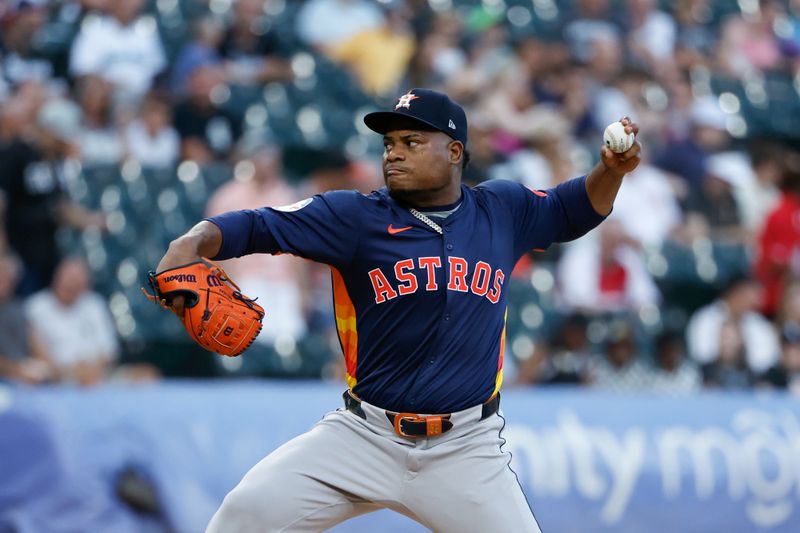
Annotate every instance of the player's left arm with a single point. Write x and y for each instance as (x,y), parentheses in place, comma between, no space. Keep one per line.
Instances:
(603,182)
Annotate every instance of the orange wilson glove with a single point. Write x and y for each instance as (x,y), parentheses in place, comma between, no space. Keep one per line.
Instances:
(216,315)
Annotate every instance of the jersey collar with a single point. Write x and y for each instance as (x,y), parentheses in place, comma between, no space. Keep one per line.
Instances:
(402,212)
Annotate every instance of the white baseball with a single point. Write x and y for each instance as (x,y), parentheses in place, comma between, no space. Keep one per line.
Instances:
(616,139)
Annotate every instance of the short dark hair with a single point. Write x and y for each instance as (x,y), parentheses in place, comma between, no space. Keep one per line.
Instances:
(465,159)
(735,281)
(667,339)
(790,180)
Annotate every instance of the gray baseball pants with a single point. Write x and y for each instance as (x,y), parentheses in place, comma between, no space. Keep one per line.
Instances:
(346,466)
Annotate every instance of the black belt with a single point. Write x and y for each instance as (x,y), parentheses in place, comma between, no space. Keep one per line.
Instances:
(414,425)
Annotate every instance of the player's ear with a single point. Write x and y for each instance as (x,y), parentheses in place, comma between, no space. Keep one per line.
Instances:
(456,152)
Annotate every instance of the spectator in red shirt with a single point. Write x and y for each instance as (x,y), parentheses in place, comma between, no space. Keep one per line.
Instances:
(778,259)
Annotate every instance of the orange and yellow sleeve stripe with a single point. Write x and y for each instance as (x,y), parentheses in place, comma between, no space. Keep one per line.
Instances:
(498,382)
(345,313)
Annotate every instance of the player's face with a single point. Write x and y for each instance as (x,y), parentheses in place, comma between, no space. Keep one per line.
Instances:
(418,166)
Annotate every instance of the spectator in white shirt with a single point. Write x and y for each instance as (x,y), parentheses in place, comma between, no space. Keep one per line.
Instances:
(75,325)
(23,357)
(21,32)
(121,47)
(605,272)
(99,140)
(647,206)
(326,23)
(652,33)
(151,139)
(755,190)
(739,304)
(592,21)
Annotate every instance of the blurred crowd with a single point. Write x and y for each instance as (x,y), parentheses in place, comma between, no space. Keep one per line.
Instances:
(693,281)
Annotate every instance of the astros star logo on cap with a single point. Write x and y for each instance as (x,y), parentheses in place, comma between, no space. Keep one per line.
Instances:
(405,100)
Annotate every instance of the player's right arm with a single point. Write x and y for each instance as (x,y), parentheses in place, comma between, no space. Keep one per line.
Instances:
(203,240)
(324,228)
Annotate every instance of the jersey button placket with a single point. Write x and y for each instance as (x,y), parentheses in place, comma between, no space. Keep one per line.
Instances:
(448,247)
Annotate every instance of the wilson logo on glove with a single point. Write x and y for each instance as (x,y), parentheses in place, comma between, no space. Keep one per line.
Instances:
(216,314)
(181,278)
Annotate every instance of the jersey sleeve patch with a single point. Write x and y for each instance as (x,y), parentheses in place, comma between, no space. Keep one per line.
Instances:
(297,206)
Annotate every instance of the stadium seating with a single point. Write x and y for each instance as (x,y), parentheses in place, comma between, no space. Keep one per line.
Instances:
(318,112)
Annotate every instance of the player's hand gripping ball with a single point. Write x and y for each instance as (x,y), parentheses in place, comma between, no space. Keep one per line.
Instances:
(616,139)
(621,163)
(216,315)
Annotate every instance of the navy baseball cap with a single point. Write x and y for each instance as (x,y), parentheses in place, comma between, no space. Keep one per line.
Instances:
(431,108)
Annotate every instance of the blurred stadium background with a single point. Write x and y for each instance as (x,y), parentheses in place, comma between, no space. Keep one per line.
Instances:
(653,367)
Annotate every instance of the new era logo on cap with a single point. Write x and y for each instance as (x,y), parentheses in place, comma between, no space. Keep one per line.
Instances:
(433,109)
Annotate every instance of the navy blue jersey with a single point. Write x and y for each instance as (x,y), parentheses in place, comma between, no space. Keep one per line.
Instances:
(421,316)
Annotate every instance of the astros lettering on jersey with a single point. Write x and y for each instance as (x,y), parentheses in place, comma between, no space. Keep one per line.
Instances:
(420,316)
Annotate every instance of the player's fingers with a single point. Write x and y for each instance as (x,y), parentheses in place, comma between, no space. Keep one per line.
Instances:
(610,159)
(632,127)
(633,152)
(177,306)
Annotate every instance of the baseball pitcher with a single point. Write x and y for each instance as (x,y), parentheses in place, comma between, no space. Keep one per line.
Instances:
(419,272)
